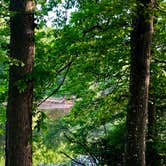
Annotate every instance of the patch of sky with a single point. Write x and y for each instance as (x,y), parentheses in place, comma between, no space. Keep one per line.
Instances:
(58,11)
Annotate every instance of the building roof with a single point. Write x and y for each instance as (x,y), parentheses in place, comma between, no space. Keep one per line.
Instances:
(56,103)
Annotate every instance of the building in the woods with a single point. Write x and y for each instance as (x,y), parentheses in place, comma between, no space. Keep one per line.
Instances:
(56,107)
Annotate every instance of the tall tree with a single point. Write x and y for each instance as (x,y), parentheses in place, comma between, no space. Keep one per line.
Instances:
(19,108)
(141,38)
(151,151)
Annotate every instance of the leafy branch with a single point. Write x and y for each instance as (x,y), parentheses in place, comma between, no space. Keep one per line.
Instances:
(84,146)
(73,159)
(60,85)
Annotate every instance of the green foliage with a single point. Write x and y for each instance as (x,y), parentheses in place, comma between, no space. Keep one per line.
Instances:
(97,142)
(86,55)
(160,140)
(97,43)
(4,43)
(47,149)
(2,131)
(2,161)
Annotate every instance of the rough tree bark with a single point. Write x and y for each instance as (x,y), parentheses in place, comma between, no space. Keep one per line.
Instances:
(19,107)
(141,37)
(150,149)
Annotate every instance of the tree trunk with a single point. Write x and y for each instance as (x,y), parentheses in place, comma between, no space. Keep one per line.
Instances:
(19,108)
(139,83)
(151,151)
(151,119)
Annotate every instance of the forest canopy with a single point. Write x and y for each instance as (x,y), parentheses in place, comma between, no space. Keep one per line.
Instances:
(94,53)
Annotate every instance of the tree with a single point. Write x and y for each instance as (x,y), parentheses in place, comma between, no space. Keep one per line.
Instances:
(19,107)
(141,38)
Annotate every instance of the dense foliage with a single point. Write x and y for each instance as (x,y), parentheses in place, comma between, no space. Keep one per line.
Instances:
(85,53)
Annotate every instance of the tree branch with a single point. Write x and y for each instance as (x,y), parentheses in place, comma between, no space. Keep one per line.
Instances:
(73,159)
(91,29)
(84,146)
(97,26)
(59,86)
(64,67)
